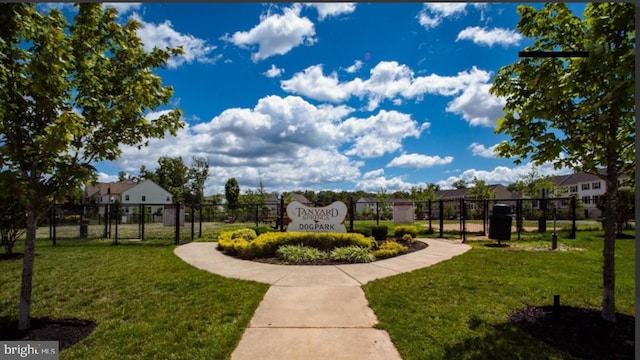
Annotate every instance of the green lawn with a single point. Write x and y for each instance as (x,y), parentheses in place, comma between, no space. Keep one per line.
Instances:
(150,304)
(147,302)
(458,309)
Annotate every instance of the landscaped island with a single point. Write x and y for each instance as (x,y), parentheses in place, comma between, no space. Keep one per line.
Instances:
(317,248)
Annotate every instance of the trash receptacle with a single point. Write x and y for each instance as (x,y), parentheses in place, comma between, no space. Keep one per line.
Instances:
(500,223)
(84,229)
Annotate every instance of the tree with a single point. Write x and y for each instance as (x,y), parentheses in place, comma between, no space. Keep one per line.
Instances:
(575,112)
(197,175)
(625,207)
(480,190)
(232,193)
(186,184)
(12,214)
(72,94)
(459,184)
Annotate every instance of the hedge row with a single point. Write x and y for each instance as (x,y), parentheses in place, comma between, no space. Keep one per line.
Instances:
(266,245)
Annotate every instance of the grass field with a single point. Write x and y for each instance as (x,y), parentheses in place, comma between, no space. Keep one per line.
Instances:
(150,304)
(458,309)
(147,302)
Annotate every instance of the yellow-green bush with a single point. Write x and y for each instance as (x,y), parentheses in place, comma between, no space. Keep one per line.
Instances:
(389,249)
(402,230)
(267,244)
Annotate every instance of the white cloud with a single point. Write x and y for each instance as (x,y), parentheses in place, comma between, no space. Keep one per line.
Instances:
(281,140)
(103,177)
(123,7)
(502,174)
(482,36)
(419,161)
(433,13)
(375,180)
(389,80)
(313,84)
(163,35)
(276,34)
(478,149)
(381,133)
(357,65)
(477,106)
(273,72)
(332,9)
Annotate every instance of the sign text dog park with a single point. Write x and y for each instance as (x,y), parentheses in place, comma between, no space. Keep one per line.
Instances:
(317,219)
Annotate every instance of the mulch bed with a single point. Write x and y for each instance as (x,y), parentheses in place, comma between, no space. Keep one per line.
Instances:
(579,331)
(66,331)
(13,256)
(411,247)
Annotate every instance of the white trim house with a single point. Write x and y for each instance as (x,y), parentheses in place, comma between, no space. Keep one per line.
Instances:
(129,195)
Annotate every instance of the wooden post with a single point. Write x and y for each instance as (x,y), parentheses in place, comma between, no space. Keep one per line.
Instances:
(573,217)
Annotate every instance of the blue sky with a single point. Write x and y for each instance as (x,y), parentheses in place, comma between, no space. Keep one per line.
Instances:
(345,96)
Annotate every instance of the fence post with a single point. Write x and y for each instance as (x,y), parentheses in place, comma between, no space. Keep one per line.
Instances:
(519,217)
(54,222)
(200,220)
(441,210)
(282,212)
(142,218)
(257,209)
(463,219)
(193,222)
(430,217)
(176,240)
(352,213)
(573,216)
(117,212)
(377,213)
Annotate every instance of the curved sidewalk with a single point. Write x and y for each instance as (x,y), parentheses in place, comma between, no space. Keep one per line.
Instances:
(315,312)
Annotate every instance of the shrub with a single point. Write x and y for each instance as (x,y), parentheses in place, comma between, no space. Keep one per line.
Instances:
(247,234)
(267,244)
(402,230)
(389,249)
(408,238)
(379,232)
(300,254)
(352,254)
(364,231)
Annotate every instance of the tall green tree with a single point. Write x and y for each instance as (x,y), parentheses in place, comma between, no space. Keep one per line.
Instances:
(71,95)
(232,193)
(481,190)
(459,184)
(575,112)
(197,176)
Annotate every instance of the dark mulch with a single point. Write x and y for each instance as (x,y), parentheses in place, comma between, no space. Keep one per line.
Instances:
(13,256)
(411,247)
(66,331)
(579,331)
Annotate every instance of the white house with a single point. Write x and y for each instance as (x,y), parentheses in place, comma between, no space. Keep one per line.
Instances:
(129,195)
(587,187)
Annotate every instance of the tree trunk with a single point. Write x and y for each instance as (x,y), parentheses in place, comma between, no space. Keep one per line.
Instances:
(608,253)
(24,321)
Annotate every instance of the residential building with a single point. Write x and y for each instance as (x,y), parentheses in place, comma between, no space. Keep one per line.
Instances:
(500,193)
(586,187)
(129,195)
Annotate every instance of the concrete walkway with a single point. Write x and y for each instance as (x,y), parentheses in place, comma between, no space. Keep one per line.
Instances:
(315,312)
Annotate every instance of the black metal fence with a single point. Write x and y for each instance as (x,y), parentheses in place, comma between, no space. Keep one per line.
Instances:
(148,221)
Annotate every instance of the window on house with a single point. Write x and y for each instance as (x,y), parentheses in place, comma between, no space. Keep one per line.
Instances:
(573,189)
(586,186)
(596,185)
(168,199)
(586,199)
(595,199)
(564,202)
(144,198)
(126,210)
(126,197)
